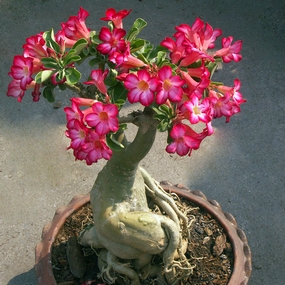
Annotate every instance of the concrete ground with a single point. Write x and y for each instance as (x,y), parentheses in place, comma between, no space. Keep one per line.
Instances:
(241,165)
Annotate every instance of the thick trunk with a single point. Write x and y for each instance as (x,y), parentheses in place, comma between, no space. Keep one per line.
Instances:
(120,189)
(124,226)
(120,180)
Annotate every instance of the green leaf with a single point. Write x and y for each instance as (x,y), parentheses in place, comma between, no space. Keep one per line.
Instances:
(44,75)
(123,126)
(48,94)
(60,75)
(85,51)
(50,62)
(142,58)
(164,108)
(119,93)
(212,67)
(156,110)
(113,143)
(71,57)
(111,80)
(95,39)
(79,45)
(138,25)
(62,86)
(93,50)
(137,44)
(72,75)
(95,61)
(163,126)
(161,55)
(159,117)
(50,40)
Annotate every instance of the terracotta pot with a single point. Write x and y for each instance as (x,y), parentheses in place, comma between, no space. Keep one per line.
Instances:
(242,254)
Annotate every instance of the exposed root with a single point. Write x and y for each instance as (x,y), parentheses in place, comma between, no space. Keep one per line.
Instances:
(112,268)
(163,200)
(174,270)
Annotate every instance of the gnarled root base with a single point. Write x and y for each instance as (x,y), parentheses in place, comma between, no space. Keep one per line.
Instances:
(166,238)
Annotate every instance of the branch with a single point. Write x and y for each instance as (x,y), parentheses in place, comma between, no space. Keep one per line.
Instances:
(82,91)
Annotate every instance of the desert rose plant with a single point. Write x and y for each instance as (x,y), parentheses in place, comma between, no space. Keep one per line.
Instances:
(173,86)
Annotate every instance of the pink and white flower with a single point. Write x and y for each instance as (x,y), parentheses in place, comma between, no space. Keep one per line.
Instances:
(15,90)
(103,118)
(197,111)
(169,86)
(73,113)
(184,140)
(221,105)
(96,148)
(22,69)
(141,87)
(77,134)
(112,41)
(35,47)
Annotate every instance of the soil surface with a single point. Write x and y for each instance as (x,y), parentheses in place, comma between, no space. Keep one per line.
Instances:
(209,250)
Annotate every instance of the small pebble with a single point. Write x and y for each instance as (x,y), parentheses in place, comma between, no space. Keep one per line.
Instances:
(57,104)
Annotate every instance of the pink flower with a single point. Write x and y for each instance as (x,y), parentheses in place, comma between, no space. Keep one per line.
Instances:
(191,33)
(73,113)
(22,70)
(198,112)
(221,106)
(169,86)
(237,96)
(75,28)
(208,37)
(193,54)
(201,34)
(196,87)
(35,47)
(96,148)
(103,118)
(230,52)
(141,87)
(92,149)
(98,78)
(176,48)
(15,90)
(185,139)
(112,41)
(77,134)
(126,60)
(116,17)
(199,72)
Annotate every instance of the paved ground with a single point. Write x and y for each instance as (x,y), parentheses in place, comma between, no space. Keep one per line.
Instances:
(241,165)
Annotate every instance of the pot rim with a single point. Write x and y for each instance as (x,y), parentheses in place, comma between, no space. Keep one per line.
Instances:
(242,254)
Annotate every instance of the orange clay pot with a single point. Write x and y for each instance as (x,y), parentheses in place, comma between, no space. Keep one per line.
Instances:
(242,254)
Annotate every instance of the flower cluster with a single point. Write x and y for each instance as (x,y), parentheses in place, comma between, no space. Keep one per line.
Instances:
(45,55)
(174,79)
(87,129)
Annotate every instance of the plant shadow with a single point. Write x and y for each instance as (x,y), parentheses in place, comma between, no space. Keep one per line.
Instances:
(26,278)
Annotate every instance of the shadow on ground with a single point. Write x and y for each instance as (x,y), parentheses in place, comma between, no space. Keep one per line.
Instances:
(26,278)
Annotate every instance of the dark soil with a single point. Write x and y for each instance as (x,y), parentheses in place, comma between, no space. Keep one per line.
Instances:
(209,250)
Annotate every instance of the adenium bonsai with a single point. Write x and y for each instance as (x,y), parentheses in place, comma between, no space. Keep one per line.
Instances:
(173,84)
